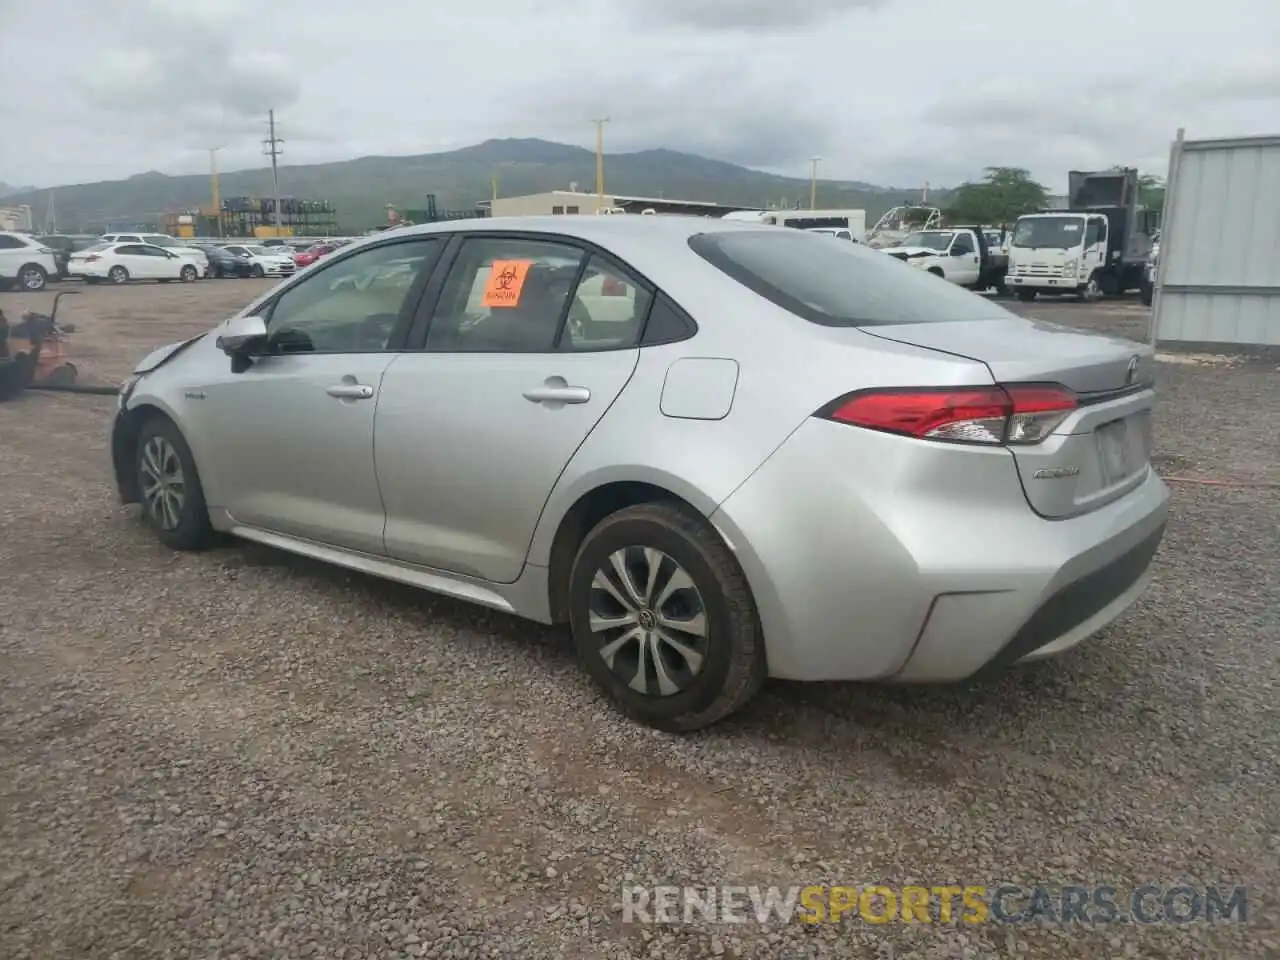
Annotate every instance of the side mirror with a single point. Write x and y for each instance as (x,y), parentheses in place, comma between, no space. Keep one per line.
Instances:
(241,335)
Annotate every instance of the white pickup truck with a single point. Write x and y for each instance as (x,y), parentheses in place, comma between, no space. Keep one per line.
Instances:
(962,255)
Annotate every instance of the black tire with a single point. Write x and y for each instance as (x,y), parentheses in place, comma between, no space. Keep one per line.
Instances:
(63,376)
(32,278)
(733,656)
(189,274)
(258,272)
(118,274)
(192,531)
(1026,296)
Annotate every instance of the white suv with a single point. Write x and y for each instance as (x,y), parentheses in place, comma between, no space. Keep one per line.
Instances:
(25,262)
(172,244)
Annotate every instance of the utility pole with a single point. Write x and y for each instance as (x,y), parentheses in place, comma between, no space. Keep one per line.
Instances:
(600,162)
(50,216)
(214,192)
(813,182)
(272,148)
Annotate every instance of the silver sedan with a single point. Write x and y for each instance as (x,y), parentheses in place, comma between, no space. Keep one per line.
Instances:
(718,451)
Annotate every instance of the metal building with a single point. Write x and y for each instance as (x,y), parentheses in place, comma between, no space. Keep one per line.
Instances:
(1218,278)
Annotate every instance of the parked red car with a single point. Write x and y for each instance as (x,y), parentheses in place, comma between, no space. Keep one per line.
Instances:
(312,254)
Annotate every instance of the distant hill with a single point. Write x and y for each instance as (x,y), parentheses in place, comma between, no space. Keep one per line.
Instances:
(360,189)
(7,191)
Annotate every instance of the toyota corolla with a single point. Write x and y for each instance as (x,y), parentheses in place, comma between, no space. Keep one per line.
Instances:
(717,451)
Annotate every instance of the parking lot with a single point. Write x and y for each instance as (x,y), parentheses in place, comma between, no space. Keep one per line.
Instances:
(242,753)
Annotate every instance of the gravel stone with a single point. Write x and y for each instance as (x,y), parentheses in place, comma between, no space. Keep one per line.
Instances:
(246,754)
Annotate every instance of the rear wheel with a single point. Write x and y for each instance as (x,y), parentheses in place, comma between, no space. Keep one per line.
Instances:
(189,274)
(172,498)
(663,618)
(118,275)
(32,278)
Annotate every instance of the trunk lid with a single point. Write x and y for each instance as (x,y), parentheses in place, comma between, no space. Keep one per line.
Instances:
(1100,452)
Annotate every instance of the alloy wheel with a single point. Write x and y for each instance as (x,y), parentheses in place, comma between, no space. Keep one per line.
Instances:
(32,279)
(648,620)
(164,487)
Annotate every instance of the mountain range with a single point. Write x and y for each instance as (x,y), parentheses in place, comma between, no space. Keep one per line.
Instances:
(360,189)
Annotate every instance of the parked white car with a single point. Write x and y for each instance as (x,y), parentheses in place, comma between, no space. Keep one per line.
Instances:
(172,244)
(266,262)
(25,262)
(122,262)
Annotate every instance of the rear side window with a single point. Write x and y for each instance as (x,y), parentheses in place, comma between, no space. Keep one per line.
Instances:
(837,284)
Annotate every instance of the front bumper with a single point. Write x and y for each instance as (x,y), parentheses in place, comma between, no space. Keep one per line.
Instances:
(873,556)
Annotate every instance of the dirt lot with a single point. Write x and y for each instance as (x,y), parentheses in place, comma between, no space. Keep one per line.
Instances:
(245,754)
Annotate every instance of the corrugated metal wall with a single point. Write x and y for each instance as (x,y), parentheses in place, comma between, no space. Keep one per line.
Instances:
(1219,273)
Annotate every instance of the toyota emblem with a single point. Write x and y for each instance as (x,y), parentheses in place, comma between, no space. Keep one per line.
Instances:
(1131,374)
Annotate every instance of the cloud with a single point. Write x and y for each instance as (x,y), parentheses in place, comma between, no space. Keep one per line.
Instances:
(191,65)
(747,15)
(890,93)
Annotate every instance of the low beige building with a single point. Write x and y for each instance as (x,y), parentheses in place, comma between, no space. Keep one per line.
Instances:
(567,203)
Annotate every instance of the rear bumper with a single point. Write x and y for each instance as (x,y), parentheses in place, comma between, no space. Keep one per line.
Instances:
(873,556)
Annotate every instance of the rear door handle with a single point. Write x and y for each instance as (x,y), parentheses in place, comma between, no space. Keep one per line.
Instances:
(555,390)
(350,391)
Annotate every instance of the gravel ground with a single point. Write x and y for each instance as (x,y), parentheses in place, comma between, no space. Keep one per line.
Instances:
(246,754)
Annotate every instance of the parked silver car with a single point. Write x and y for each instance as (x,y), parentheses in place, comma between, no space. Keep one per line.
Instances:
(719,451)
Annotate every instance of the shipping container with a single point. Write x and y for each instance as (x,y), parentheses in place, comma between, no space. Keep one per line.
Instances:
(1217,278)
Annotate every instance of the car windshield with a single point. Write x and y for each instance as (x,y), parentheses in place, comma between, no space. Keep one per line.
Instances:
(932,239)
(1059,232)
(160,241)
(260,251)
(837,284)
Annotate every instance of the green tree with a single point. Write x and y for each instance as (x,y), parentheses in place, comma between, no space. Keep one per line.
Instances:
(1151,191)
(1003,195)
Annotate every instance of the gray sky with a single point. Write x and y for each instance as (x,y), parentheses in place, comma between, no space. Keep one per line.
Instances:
(888,91)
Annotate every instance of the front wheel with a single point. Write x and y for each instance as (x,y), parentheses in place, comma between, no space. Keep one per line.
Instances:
(172,498)
(663,618)
(257,271)
(188,274)
(32,278)
(1091,292)
(118,275)
(1026,296)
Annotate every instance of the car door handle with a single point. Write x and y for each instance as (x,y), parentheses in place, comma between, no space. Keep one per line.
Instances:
(350,391)
(554,393)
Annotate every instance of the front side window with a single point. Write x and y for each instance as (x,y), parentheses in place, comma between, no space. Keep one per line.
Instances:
(504,295)
(837,284)
(354,305)
(131,250)
(963,245)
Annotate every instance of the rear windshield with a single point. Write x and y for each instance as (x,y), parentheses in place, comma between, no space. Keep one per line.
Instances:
(837,284)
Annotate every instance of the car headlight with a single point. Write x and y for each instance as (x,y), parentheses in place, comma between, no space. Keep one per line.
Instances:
(1070,266)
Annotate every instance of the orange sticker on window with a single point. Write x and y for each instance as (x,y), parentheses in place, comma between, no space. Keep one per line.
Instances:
(506,280)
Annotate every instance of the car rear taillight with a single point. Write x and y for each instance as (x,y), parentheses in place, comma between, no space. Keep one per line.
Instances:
(1013,413)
